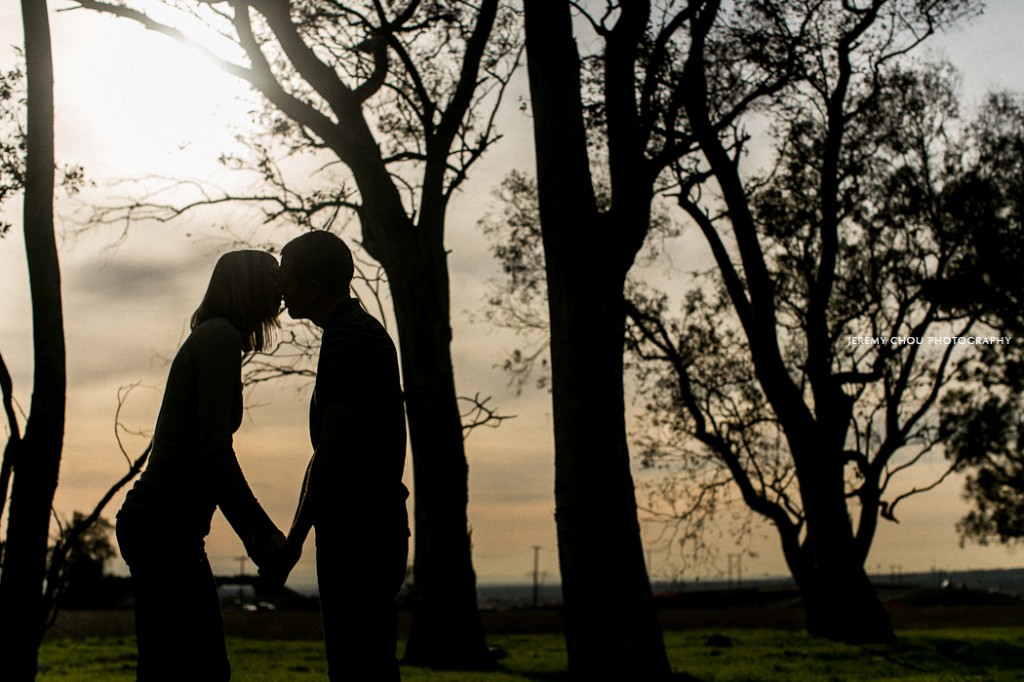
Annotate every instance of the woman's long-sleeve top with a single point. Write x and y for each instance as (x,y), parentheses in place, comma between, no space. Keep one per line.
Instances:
(193,468)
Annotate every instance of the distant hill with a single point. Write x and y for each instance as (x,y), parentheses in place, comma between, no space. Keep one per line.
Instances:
(1009,582)
(116,591)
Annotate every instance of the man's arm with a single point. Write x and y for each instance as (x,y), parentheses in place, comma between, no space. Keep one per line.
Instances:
(303,520)
(338,423)
(339,427)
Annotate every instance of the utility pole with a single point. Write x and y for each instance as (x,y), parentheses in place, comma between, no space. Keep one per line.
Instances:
(241,574)
(896,574)
(536,576)
(739,571)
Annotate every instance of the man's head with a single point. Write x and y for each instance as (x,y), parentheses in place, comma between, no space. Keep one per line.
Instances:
(316,271)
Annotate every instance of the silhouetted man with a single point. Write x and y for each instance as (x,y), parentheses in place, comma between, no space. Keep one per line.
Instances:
(352,493)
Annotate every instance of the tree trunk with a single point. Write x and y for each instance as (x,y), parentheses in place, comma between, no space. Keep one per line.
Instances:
(446,631)
(610,624)
(38,461)
(841,604)
(839,601)
(611,628)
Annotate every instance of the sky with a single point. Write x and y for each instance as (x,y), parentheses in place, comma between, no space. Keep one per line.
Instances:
(134,104)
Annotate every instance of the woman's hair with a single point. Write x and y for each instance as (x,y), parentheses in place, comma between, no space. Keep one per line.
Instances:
(243,289)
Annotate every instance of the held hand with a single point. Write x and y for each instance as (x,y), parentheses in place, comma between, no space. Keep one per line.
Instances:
(264,543)
(290,553)
(276,543)
(279,563)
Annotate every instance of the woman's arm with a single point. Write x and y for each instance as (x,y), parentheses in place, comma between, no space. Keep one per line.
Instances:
(219,388)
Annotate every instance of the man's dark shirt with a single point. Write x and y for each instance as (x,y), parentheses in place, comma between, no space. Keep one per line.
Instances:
(358,366)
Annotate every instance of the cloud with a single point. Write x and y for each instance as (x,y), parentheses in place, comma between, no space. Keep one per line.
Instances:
(146,277)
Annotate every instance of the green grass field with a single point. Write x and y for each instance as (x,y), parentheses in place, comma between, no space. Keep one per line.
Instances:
(982,655)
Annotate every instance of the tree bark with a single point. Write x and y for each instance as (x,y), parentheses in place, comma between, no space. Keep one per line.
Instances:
(610,624)
(446,631)
(839,601)
(611,628)
(828,566)
(841,604)
(37,465)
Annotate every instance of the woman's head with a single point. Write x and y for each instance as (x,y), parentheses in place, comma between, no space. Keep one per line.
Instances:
(244,289)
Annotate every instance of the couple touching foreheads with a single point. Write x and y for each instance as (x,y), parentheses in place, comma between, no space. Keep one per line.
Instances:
(352,493)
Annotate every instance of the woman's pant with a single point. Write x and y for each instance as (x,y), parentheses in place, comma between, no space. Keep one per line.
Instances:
(178,621)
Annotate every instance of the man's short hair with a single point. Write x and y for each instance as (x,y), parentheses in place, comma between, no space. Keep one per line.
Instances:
(320,256)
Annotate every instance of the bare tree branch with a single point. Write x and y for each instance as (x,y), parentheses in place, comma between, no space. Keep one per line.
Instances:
(478,413)
(13,440)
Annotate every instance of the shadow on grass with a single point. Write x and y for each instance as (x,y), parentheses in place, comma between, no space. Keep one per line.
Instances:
(982,651)
(993,655)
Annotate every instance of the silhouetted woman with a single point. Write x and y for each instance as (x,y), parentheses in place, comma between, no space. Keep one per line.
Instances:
(163,524)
